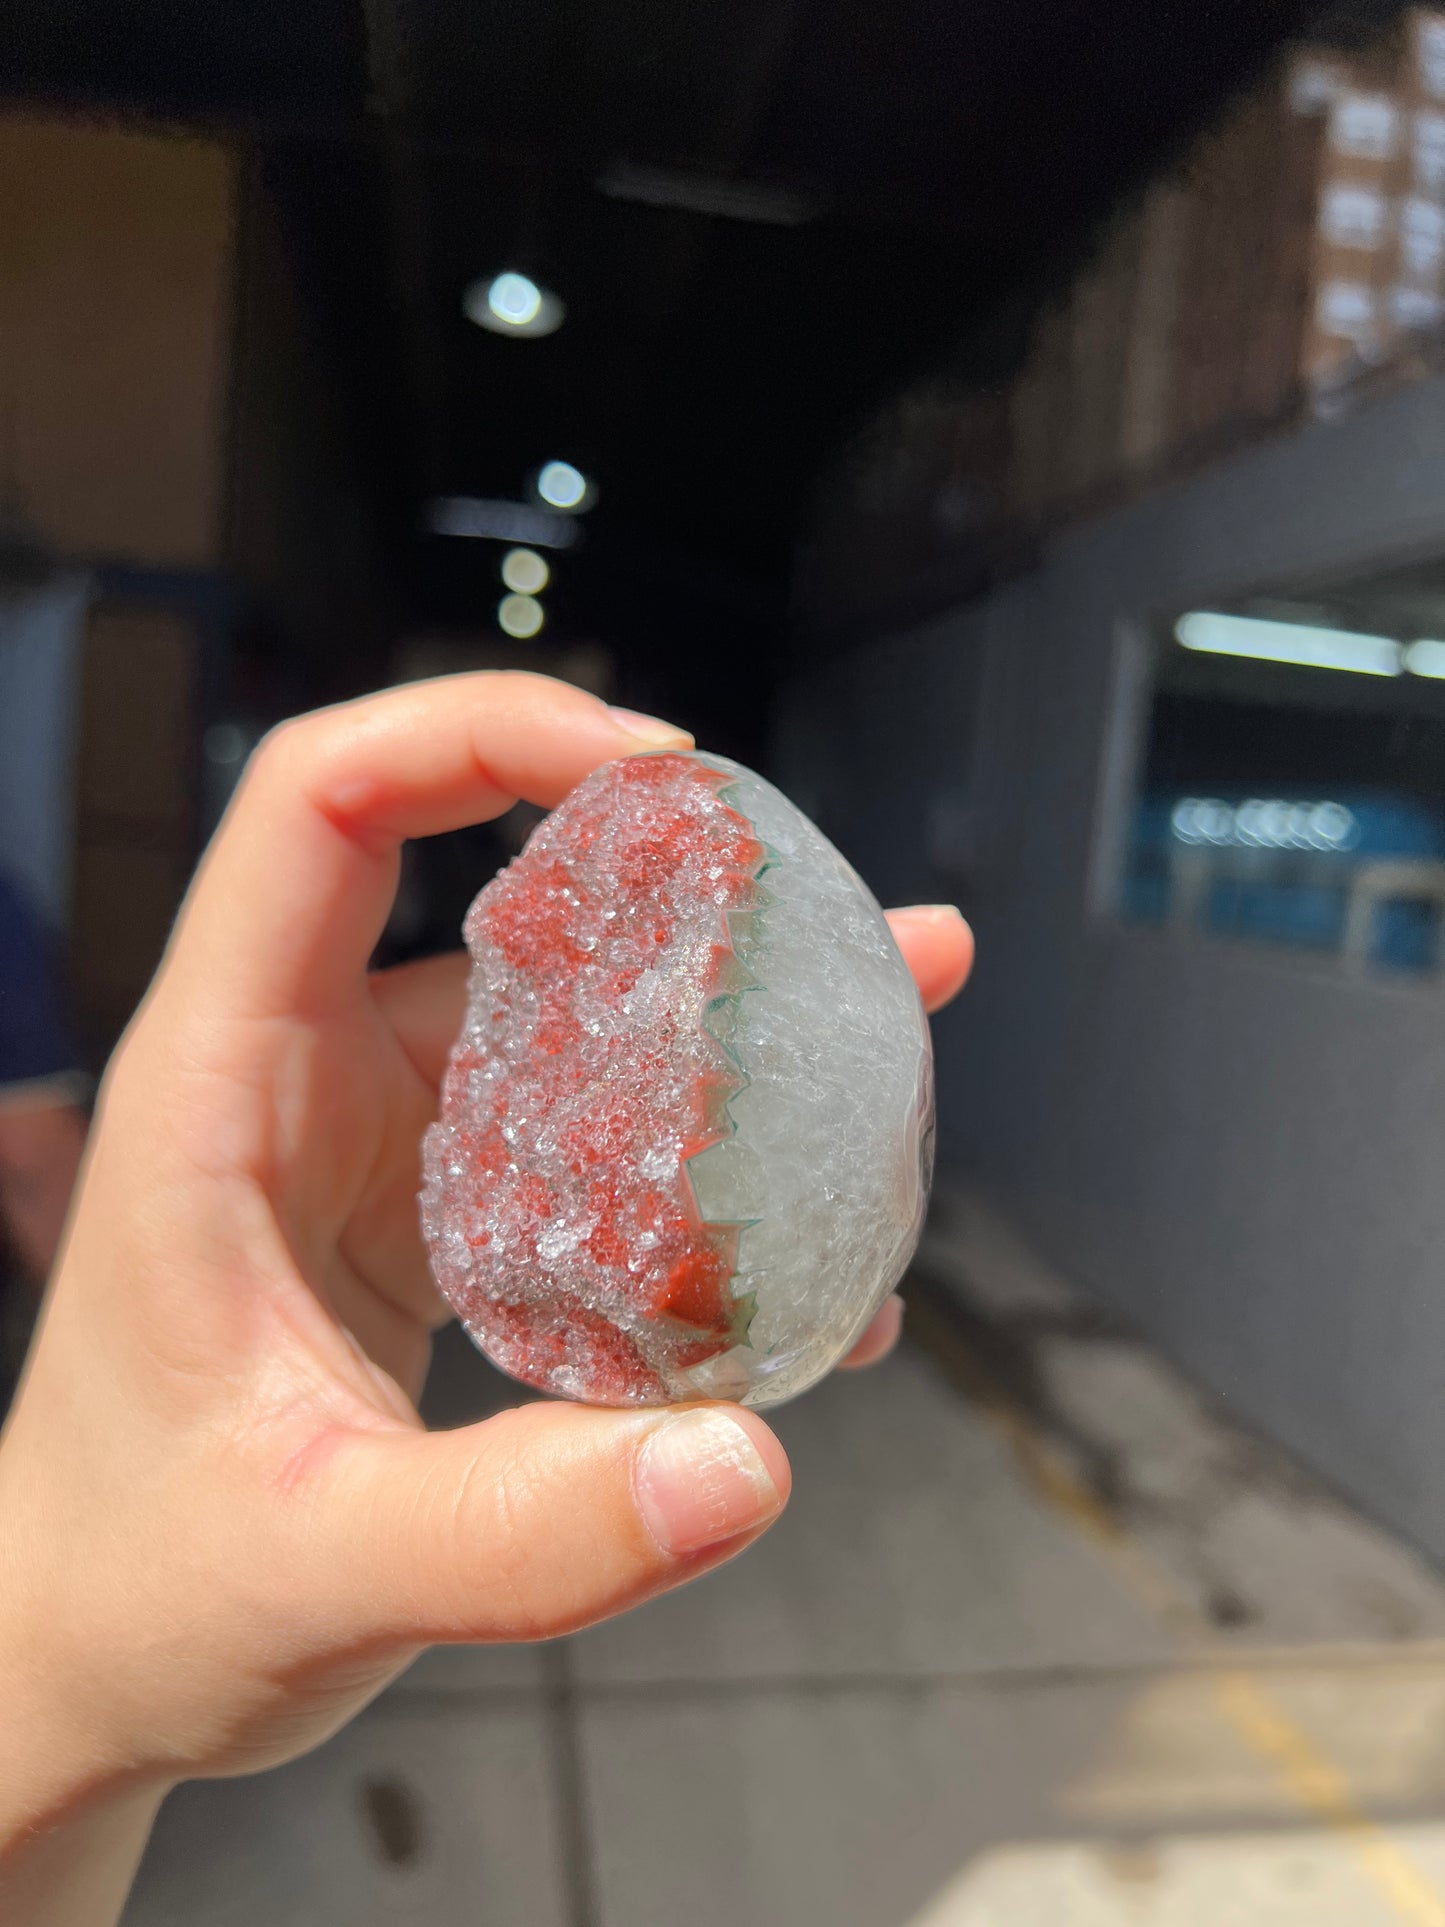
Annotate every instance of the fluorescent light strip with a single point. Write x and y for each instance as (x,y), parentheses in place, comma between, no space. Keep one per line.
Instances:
(480,520)
(1425,658)
(1292,642)
(707,194)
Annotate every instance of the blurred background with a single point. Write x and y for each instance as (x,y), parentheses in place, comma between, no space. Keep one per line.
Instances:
(1020,431)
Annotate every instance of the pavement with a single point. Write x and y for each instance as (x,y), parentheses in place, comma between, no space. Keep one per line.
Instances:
(1043,1641)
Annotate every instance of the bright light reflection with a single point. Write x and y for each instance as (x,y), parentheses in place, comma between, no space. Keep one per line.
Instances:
(515,299)
(525,571)
(520,615)
(1425,658)
(1264,823)
(511,303)
(1292,642)
(561,486)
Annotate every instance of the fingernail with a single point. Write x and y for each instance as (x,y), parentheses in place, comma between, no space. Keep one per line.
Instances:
(650,729)
(700,1481)
(942,911)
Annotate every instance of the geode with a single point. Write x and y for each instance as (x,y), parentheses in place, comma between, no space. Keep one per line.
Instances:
(686,1130)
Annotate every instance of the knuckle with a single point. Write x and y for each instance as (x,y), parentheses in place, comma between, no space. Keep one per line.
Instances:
(495,1513)
(280,752)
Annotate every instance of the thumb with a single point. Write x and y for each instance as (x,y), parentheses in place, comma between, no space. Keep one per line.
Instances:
(540,1520)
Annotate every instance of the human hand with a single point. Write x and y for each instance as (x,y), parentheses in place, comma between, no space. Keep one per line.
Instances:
(224,1528)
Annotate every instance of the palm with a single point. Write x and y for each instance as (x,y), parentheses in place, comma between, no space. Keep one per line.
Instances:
(345,1191)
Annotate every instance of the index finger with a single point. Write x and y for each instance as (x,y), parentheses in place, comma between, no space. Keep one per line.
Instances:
(297,885)
(424,1002)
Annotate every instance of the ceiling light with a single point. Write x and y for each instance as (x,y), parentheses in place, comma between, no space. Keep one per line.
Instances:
(514,299)
(479,519)
(708,194)
(561,486)
(1426,659)
(513,303)
(525,571)
(1292,642)
(520,615)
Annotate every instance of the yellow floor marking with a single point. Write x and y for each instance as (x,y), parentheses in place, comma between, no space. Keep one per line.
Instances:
(1323,1789)
(1317,1784)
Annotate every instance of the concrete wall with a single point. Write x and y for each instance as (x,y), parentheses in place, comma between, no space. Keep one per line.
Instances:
(1240,1149)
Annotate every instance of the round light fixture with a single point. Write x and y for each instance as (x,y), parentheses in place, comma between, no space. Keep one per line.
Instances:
(525,571)
(520,615)
(512,303)
(514,299)
(561,486)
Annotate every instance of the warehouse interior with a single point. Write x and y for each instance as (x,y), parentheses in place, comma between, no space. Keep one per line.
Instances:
(1021,434)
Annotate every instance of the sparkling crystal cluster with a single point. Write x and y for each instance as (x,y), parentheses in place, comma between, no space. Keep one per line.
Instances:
(685,1131)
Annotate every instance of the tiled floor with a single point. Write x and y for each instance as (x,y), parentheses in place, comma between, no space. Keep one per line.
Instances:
(1040,1643)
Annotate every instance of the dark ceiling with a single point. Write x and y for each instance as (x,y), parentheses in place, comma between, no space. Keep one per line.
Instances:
(945,157)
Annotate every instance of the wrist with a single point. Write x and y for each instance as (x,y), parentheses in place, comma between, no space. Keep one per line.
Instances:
(74,1816)
(61,1769)
(57,1758)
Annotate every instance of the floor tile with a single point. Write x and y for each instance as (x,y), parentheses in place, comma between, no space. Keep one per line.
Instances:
(406,1817)
(841,1808)
(1096,1802)
(1261,1550)
(1306,1878)
(913,1544)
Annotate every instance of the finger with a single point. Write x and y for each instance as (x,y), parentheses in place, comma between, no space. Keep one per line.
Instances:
(295,890)
(938,947)
(540,1520)
(879,1339)
(425,1002)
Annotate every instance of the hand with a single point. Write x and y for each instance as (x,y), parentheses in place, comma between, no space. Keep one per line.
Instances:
(224,1526)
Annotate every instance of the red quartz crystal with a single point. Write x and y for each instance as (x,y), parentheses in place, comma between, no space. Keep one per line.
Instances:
(559,1211)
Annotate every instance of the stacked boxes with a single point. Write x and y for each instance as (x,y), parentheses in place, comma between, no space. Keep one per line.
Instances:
(1146,349)
(1099,320)
(1379,278)
(1299,247)
(1415,293)
(1355,227)
(1038,417)
(1300,243)
(1248,195)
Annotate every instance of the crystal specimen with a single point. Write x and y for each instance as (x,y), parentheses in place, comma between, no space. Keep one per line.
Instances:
(686,1129)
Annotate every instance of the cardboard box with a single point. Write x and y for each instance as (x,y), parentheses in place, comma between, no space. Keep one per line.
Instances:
(1249,257)
(1413,297)
(116,262)
(1099,318)
(1281,266)
(1367,150)
(1425,139)
(1145,411)
(1422,75)
(1037,410)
